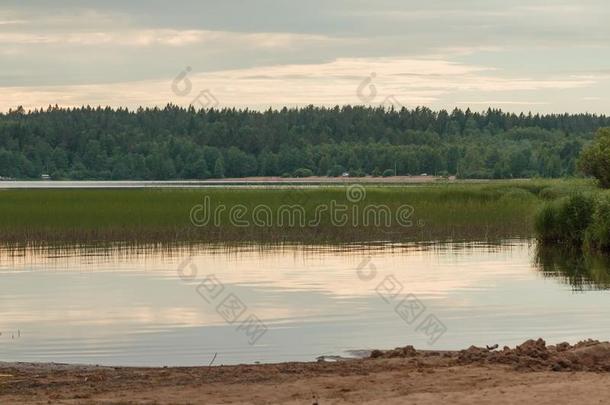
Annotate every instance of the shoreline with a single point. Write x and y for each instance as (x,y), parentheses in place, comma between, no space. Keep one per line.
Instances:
(271,181)
(556,373)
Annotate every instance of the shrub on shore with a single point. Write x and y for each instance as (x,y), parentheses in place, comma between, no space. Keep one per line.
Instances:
(577,221)
(595,159)
(598,232)
(546,224)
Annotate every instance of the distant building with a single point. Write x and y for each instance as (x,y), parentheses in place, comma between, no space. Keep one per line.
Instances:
(345,174)
(45,177)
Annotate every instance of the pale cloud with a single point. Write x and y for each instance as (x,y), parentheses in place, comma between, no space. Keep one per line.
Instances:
(554,8)
(275,52)
(411,81)
(166,37)
(504,11)
(12,22)
(501,103)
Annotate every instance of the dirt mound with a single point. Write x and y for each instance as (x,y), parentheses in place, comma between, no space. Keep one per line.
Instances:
(407,351)
(535,355)
(532,355)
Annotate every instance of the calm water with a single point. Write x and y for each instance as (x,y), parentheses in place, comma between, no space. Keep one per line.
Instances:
(212,183)
(128,306)
(80,184)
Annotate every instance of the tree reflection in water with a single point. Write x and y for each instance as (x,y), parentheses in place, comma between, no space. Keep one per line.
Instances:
(582,270)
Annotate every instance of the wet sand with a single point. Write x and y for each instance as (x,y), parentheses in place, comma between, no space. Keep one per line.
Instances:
(529,373)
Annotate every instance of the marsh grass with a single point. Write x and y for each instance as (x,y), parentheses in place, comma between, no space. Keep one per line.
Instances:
(580,221)
(450,211)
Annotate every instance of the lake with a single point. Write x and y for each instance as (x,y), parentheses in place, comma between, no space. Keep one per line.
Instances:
(191,304)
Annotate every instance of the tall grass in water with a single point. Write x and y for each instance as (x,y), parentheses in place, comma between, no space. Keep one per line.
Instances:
(441,211)
(598,233)
(579,221)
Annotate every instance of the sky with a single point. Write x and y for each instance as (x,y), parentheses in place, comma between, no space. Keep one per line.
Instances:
(536,55)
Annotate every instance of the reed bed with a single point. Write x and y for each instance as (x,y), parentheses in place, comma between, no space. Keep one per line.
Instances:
(446,211)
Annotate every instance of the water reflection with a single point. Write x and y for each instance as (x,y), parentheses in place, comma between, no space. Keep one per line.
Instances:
(583,271)
(116,252)
(123,304)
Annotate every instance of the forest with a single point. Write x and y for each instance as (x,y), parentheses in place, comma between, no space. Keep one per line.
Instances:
(183,143)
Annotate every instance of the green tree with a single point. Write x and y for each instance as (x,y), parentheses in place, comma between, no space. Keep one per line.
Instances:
(168,143)
(199,169)
(303,172)
(219,168)
(336,171)
(120,170)
(453,157)
(267,164)
(324,165)
(595,159)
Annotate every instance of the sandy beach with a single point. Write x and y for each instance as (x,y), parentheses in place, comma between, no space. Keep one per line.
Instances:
(530,373)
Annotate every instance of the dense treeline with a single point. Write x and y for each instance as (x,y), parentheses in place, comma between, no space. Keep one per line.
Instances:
(182,143)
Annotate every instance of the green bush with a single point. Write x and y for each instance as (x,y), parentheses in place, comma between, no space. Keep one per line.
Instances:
(595,159)
(566,189)
(575,216)
(552,193)
(336,171)
(598,233)
(303,172)
(565,220)
(388,173)
(546,224)
(357,173)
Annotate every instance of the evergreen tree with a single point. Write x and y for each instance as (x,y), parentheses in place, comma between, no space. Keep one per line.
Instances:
(219,168)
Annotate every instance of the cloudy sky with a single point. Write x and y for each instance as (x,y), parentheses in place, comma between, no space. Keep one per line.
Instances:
(534,55)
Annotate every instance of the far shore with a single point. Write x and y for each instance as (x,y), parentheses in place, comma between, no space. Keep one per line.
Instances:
(229,182)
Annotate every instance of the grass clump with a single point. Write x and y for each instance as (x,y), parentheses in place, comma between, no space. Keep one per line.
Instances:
(565,220)
(598,233)
(581,220)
